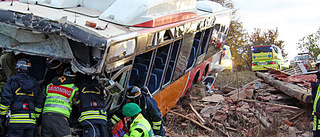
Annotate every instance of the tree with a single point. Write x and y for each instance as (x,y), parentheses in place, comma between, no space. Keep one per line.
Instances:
(310,44)
(237,40)
(240,41)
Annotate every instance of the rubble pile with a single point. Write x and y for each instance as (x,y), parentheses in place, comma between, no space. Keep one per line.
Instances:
(256,109)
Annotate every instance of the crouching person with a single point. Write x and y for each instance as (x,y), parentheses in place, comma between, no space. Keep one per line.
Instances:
(93,117)
(140,127)
(23,97)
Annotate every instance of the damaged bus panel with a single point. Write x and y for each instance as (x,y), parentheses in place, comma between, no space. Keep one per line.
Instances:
(166,45)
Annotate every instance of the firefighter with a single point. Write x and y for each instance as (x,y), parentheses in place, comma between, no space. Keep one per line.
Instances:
(55,68)
(315,117)
(22,96)
(93,117)
(58,105)
(139,127)
(149,107)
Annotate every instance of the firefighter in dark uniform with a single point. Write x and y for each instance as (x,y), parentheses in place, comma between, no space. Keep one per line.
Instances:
(93,117)
(58,105)
(23,97)
(315,117)
(149,107)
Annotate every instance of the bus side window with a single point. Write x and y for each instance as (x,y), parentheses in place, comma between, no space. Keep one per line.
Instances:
(159,66)
(196,43)
(141,66)
(174,57)
(194,50)
(205,41)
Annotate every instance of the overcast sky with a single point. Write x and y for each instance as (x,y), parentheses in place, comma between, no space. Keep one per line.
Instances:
(294,18)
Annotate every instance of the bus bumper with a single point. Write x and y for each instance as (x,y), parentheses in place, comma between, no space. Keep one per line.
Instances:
(261,67)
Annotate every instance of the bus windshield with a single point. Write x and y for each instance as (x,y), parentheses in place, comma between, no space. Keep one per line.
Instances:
(262,49)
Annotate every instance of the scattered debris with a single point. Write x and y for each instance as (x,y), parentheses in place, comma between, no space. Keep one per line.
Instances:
(257,108)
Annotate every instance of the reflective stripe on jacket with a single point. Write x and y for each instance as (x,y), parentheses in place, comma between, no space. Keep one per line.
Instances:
(91,98)
(59,99)
(140,123)
(94,115)
(151,112)
(316,112)
(23,96)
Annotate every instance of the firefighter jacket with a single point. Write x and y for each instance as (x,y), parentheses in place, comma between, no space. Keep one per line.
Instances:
(140,127)
(59,96)
(23,96)
(316,104)
(91,99)
(150,111)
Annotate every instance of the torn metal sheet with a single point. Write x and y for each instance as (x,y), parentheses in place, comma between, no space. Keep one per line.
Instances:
(45,26)
(54,46)
(78,34)
(40,36)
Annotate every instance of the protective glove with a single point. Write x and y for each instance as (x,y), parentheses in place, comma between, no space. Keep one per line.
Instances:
(115,135)
(121,133)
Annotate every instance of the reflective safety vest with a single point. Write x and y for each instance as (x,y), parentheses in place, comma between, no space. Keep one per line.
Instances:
(59,99)
(140,123)
(316,112)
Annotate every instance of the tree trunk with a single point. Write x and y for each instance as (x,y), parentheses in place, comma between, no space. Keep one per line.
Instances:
(287,88)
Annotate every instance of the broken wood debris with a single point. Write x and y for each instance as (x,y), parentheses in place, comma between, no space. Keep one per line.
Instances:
(197,115)
(254,104)
(194,121)
(288,88)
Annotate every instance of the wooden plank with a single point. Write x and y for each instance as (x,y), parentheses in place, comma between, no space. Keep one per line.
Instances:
(286,106)
(197,114)
(192,120)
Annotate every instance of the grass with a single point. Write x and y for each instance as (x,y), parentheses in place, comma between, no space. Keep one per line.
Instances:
(235,79)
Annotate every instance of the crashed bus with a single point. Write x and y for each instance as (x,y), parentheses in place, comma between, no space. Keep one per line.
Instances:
(166,45)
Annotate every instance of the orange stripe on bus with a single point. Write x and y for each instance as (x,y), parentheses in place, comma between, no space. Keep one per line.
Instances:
(169,96)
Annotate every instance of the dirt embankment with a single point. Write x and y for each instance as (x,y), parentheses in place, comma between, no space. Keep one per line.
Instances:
(266,112)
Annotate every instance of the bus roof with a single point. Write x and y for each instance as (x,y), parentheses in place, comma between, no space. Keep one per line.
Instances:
(30,24)
(100,21)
